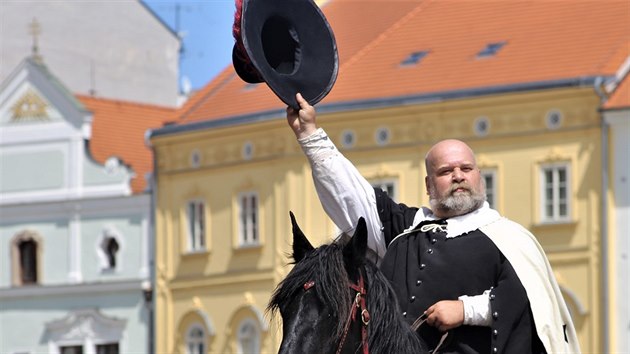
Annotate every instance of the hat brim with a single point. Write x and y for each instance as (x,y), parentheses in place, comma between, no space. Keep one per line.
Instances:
(298,27)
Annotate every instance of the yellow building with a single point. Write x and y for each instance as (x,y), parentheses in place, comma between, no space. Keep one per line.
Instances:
(229,171)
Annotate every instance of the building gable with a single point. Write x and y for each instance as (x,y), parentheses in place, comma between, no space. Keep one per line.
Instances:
(43,142)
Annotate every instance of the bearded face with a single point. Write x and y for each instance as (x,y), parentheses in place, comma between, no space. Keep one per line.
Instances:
(453,180)
(458,199)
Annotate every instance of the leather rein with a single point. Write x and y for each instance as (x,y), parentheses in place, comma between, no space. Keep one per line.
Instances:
(358,303)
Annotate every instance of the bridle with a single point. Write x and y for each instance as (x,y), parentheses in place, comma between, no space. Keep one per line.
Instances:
(358,303)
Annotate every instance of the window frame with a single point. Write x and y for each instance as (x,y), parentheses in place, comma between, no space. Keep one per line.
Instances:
(203,340)
(493,173)
(196,239)
(97,344)
(72,345)
(110,232)
(16,262)
(380,182)
(257,335)
(556,200)
(248,219)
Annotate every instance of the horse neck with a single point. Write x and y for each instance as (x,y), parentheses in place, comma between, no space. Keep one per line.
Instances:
(387,331)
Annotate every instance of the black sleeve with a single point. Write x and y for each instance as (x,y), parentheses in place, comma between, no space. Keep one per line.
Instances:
(513,328)
(394,217)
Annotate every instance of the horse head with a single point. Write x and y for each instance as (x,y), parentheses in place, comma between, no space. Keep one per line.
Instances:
(335,300)
(354,250)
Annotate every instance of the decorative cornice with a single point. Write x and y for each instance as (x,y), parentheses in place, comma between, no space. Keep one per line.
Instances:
(74,289)
(223,279)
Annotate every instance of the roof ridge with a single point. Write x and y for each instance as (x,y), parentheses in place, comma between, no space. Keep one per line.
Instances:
(381,37)
(207,95)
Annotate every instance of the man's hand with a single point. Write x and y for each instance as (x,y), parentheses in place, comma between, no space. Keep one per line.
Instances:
(303,121)
(446,314)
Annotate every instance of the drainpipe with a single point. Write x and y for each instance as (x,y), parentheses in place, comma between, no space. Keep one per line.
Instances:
(604,215)
(150,300)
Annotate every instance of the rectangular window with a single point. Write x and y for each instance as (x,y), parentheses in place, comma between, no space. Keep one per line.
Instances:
(74,349)
(490,180)
(388,186)
(555,192)
(196,226)
(248,219)
(108,348)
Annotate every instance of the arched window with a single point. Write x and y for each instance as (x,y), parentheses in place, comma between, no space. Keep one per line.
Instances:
(28,261)
(110,247)
(248,337)
(26,253)
(196,340)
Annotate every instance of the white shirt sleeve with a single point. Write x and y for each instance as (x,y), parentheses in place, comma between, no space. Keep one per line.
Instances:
(477,309)
(343,192)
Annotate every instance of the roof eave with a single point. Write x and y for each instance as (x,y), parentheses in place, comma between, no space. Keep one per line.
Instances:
(407,100)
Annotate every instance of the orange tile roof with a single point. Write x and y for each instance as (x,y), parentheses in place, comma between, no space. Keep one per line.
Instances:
(118,129)
(545,41)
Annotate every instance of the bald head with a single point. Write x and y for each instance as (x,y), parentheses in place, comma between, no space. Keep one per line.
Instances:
(447,151)
(453,180)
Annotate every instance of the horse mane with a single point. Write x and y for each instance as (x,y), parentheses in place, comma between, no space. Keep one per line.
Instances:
(387,331)
(396,335)
(324,266)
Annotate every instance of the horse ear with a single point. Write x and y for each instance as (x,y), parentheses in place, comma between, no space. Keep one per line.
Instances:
(355,250)
(301,246)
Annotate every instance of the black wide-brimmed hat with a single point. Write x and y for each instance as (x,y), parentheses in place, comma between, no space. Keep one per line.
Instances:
(289,45)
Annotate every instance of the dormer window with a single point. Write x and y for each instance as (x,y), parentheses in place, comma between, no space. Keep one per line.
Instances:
(414,58)
(490,50)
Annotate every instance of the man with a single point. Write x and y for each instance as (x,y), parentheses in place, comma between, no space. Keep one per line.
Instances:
(475,275)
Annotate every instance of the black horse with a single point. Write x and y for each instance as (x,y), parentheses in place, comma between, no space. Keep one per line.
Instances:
(335,300)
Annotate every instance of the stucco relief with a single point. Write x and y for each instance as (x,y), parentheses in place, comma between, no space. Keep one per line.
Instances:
(86,323)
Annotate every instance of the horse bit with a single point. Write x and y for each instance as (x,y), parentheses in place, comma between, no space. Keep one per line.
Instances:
(358,303)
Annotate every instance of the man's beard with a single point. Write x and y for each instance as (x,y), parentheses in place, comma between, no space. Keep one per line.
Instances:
(458,203)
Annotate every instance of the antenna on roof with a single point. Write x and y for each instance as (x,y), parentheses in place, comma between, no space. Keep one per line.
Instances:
(35,30)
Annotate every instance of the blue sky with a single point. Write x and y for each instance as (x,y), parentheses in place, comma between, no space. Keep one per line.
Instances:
(206,26)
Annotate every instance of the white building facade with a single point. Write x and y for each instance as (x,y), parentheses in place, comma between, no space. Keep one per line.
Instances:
(74,239)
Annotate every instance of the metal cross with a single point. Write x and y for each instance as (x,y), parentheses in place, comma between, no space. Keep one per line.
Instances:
(35,30)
